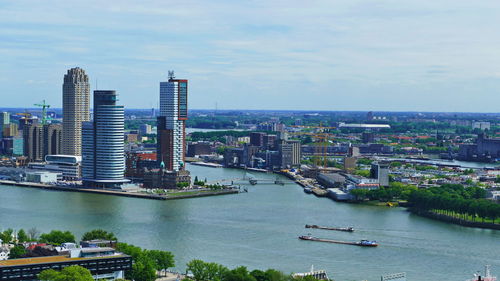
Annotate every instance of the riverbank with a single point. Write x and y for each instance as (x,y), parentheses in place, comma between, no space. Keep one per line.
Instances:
(122,193)
(453,220)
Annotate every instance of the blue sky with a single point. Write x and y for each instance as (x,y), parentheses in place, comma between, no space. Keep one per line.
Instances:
(415,55)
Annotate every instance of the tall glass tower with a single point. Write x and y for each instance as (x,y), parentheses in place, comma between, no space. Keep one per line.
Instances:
(172,123)
(76,109)
(103,159)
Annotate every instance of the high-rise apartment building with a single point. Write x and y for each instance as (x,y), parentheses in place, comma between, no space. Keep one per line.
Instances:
(41,140)
(4,120)
(76,109)
(103,153)
(172,123)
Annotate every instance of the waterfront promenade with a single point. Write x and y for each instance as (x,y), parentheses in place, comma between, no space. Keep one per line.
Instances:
(178,195)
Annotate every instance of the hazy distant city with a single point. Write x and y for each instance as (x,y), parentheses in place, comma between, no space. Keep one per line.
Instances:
(256,141)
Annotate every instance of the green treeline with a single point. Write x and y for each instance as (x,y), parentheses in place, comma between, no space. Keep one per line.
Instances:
(199,270)
(455,200)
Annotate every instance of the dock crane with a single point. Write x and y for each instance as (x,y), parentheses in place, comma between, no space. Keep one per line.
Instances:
(44,107)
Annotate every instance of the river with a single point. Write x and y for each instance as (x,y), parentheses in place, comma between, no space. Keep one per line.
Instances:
(259,229)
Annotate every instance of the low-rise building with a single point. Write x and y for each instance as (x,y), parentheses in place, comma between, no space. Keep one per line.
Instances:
(109,267)
(67,165)
(164,179)
(43,177)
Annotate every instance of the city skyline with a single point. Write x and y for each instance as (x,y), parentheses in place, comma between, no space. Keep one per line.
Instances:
(416,56)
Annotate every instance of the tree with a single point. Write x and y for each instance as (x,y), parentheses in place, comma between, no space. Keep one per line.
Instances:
(98,234)
(143,269)
(203,271)
(6,236)
(17,252)
(239,274)
(22,236)
(57,237)
(33,233)
(70,273)
(162,259)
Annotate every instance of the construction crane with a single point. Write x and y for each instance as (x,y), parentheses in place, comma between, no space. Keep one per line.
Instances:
(322,140)
(26,116)
(44,107)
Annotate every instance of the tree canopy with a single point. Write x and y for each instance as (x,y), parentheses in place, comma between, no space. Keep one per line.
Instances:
(99,234)
(57,237)
(70,273)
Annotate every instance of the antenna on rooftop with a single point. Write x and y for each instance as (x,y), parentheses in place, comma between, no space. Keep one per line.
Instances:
(171,75)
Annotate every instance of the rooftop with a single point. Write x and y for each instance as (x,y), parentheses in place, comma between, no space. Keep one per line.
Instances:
(51,259)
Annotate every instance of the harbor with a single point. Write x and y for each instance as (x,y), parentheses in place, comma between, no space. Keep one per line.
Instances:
(259,229)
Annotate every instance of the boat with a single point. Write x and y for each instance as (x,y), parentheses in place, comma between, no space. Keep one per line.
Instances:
(307,190)
(486,277)
(362,243)
(347,229)
(368,243)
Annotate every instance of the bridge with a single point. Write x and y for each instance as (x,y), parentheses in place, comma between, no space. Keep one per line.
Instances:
(250,179)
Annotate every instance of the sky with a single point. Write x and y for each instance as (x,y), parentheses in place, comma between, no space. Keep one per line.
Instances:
(370,55)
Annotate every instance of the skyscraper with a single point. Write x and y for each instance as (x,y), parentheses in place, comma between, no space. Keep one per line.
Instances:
(4,120)
(103,155)
(172,123)
(76,109)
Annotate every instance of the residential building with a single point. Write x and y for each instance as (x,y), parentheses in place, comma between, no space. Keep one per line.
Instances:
(481,125)
(145,129)
(52,140)
(76,109)
(380,171)
(41,140)
(199,148)
(4,121)
(13,146)
(290,152)
(257,139)
(368,137)
(103,153)
(172,123)
(33,142)
(10,130)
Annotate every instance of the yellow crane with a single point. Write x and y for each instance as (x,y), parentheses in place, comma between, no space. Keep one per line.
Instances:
(26,116)
(321,139)
(44,107)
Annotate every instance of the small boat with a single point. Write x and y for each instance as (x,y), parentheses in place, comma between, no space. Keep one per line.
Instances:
(308,190)
(368,243)
(306,237)
(346,229)
(486,277)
